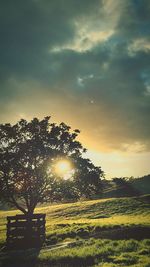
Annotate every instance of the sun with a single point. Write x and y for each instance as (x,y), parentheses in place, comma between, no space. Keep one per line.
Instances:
(63,168)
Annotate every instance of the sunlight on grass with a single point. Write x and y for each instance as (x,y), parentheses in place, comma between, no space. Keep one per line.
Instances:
(104,212)
(91,230)
(94,252)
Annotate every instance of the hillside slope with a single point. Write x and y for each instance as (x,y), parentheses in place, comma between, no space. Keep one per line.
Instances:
(97,233)
(126,187)
(142,184)
(64,218)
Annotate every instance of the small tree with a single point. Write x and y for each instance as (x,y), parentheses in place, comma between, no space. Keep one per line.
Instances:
(28,151)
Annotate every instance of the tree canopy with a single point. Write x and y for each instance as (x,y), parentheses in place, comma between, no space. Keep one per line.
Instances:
(28,152)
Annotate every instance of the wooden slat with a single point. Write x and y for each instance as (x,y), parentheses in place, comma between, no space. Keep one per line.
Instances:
(24,231)
(25,217)
(25,223)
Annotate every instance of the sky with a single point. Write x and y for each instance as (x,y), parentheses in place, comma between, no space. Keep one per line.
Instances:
(86,63)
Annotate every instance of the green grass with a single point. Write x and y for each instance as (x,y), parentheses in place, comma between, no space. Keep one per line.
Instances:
(95,227)
(90,252)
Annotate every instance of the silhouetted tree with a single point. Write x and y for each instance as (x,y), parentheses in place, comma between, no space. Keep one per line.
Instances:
(67,191)
(28,151)
(87,178)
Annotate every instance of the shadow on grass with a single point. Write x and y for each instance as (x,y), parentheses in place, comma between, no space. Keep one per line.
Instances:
(30,257)
(116,232)
(17,258)
(126,232)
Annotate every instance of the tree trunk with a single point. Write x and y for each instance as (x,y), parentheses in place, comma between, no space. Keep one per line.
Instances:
(30,210)
(15,203)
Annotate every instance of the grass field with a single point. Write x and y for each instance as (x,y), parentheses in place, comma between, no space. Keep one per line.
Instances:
(107,233)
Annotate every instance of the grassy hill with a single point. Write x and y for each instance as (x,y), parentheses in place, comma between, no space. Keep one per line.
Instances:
(106,232)
(142,184)
(126,187)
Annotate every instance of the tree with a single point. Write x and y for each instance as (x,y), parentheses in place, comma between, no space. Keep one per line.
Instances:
(28,151)
(87,178)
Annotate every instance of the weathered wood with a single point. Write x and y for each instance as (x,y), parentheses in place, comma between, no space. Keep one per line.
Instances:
(25,223)
(40,216)
(25,231)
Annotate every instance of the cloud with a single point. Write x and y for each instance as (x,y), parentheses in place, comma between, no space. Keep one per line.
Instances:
(142,44)
(84,62)
(84,41)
